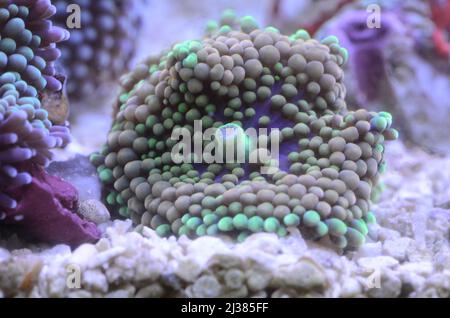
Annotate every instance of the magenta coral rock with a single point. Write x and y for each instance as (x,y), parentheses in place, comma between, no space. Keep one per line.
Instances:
(40,205)
(46,211)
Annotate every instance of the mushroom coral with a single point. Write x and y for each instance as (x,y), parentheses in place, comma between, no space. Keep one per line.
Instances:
(37,203)
(28,39)
(102,49)
(393,67)
(241,76)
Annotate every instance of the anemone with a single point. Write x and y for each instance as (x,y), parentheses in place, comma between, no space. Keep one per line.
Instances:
(103,48)
(243,76)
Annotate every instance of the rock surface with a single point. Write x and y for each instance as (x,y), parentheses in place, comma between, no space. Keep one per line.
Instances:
(46,212)
(79,172)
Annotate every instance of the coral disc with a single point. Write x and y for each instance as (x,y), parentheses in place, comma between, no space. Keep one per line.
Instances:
(241,77)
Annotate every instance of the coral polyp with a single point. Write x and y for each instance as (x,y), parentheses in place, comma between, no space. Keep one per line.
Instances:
(27,55)
(40,205)
(26,134)
(28,39)
(102,49)
(243,76)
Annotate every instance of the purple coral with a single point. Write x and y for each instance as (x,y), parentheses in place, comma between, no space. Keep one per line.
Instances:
(394,65)
(26,134)
(46,211)
(367,47)
(241,76)
(40,205)
(28,39)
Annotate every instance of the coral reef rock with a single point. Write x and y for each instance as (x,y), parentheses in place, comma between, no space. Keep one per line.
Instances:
(47,212)
(94,211)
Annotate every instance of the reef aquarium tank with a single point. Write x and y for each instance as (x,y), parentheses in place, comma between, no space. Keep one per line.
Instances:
(224,149)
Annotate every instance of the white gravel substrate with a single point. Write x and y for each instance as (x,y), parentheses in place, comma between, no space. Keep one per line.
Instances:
(408,256)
